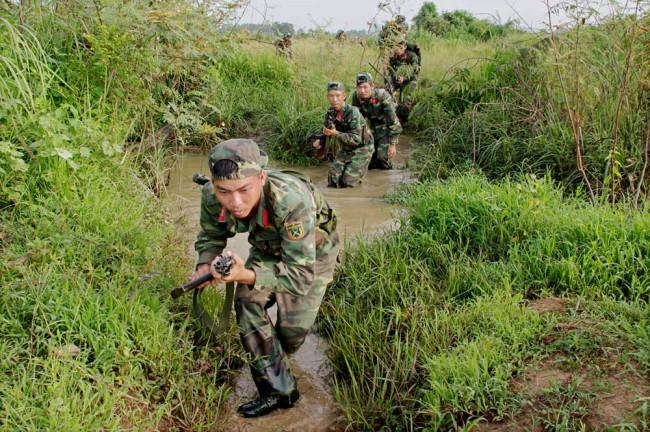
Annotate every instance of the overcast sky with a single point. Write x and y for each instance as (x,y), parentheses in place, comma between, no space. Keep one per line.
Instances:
(355,14)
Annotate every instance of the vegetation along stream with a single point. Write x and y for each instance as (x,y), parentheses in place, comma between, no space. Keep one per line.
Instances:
(501,283)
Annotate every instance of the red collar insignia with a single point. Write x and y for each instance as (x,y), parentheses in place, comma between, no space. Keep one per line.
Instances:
(265,218)
(222,215)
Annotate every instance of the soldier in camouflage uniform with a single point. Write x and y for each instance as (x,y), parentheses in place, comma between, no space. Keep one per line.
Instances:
(294,246)
(283,46)
(404,68)
(350,130)
(378,109)
(392,32)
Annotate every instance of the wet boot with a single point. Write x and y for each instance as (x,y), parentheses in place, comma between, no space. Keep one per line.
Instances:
(265,405)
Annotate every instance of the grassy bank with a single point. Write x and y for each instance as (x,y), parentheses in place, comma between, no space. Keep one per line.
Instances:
(439,324)
(444,324)
(90,337)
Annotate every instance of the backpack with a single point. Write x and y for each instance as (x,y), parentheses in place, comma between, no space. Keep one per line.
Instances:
(412,46)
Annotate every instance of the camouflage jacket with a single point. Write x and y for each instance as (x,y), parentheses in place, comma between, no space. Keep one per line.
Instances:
(292,222)
(406,65)
(352,127)
(379,112)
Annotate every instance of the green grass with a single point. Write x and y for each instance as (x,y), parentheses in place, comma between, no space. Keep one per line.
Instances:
(428,324)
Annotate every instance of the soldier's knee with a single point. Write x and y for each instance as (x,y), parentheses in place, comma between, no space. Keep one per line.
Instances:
(247,307)
(292,338)
(351,180)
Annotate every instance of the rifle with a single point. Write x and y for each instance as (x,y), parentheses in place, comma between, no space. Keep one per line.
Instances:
(222,266)
(320,136)
(388,82)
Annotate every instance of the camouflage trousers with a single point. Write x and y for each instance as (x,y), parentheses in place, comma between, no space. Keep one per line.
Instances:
(380,158)
(405,101)
(350,166)
(268,345)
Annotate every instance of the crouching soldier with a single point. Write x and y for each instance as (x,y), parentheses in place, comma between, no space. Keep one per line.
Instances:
(294,245)
(345,123)
(378,108)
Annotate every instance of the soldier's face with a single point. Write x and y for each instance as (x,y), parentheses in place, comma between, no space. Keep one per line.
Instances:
(400,49)
(240,197)
(364,90)
(336,99)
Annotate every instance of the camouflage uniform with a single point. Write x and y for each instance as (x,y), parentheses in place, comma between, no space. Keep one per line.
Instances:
(294,246)
(379,112)
(356,142)
(283,46)
(408,66)
(392,32)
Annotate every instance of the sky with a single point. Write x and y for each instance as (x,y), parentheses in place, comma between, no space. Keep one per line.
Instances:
(336,15)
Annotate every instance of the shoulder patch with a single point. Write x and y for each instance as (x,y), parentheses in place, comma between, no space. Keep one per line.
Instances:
(295,230)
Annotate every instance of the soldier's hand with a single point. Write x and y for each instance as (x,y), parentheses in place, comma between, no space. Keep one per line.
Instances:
(317,144)
(392,151)
(330,132)
(238,273)
(201,270)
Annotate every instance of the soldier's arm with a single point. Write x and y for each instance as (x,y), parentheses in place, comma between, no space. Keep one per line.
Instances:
(390,117)
(354,137)
(329,115)
(295,272)
(414,62)
(354,100)
(213,236)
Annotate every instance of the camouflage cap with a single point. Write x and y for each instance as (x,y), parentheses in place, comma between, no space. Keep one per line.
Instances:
(335,85)
(364,77)
(243,152)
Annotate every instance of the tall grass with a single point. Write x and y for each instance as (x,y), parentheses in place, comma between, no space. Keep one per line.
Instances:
(427,323)
(90,338)
(280,101)
(572,104)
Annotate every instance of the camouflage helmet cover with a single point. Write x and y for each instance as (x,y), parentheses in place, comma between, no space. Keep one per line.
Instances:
(245,153)
(335,85)
(364,77)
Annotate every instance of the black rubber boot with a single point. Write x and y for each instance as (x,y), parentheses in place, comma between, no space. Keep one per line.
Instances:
(265,405)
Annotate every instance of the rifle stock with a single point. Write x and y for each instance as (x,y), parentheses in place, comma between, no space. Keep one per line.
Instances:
(322,150)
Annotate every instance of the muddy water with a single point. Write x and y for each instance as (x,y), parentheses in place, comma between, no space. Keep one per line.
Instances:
(360,210)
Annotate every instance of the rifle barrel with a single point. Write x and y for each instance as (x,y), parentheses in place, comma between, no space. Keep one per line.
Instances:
(177,292)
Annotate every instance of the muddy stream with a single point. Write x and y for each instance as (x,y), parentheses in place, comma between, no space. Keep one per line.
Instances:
(360,210)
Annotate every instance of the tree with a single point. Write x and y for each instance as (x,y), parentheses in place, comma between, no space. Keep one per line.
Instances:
(284,28)
(426,17)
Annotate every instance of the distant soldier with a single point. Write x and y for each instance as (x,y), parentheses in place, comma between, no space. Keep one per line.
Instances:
(378,108)
(350,130)
(392,32)
(403,71)
(340,36)
(283,46)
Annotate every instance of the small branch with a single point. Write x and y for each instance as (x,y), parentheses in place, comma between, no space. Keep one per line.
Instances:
(645,167)
(621,99)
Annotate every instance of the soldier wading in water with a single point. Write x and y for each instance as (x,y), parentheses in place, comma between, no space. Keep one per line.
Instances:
(378,108)
(294,246)
(346,124)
